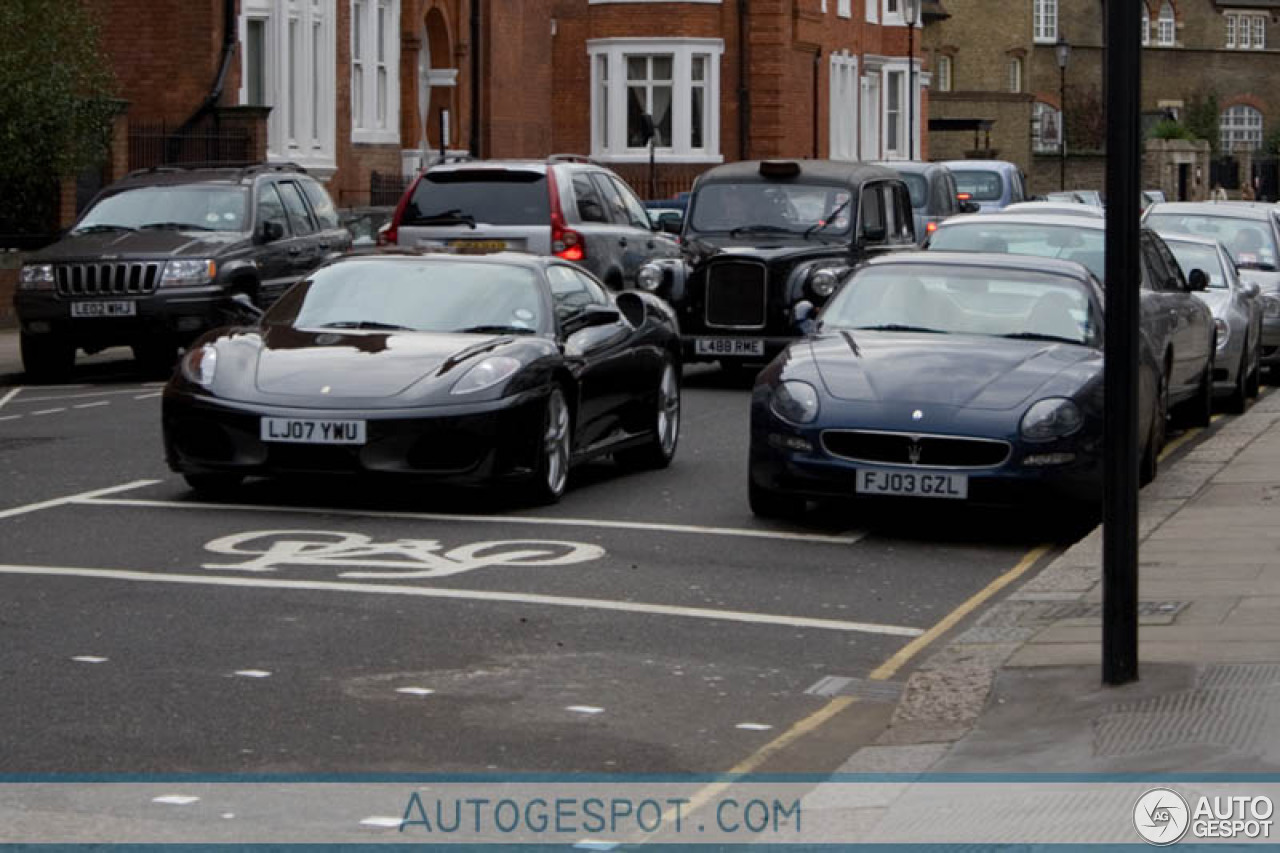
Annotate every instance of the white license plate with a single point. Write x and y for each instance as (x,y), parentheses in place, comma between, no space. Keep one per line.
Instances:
(119,308)
(312,431)
(919,484)
(728,346)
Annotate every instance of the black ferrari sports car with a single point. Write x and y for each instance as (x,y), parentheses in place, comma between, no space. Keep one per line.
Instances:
(964,377)
(469,370)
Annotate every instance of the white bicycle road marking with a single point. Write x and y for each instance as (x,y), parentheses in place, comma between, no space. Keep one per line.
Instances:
(272,549)
(634,607)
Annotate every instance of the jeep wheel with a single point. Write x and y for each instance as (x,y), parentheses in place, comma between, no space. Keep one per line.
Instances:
(214,484)
(155,358)
(45,358)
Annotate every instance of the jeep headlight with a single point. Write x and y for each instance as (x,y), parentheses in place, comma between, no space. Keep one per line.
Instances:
(649,277)
(1055,417)
(486,374)
(795,402)
(36,277)
(188,273)
(823,282)
(200,364)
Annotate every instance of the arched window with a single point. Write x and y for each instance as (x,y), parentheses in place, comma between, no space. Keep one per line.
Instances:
(1240,128)
(1046,127)
(1146,24)
(1166,26)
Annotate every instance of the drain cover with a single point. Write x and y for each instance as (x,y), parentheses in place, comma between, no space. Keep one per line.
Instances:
(1093,610)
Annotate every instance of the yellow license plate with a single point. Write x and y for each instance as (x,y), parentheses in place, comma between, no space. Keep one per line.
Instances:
(477,247)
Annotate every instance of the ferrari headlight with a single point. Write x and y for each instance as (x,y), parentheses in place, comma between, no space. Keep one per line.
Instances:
(649,277)
(1056,417)
(200,364)
(36,277)
(486,374)
(1223,330)
(188,273)
(823,283)
(795,402)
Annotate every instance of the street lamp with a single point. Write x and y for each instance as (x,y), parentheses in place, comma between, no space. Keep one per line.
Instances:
(911,10)
(1063,51)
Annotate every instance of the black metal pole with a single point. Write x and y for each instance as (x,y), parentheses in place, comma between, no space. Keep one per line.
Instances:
(476,150)
(1062,127)
(1120,501)
(911,88)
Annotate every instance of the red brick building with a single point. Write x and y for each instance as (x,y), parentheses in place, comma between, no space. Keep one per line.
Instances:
(358,87)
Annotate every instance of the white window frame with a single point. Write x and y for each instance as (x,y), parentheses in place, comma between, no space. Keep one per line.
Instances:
(873,11)
(1166,26)
(1237,123)
(1014,74)
(870,143)
(894,13)
(1044,21)
(682,50)
(365,127)
(314,146)
(844,8)
(896,148)
(1246,30)
(945,74)
(1146,24)
(843,116)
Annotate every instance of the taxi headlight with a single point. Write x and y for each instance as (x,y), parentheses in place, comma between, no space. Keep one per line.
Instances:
(823,283)
(649,277)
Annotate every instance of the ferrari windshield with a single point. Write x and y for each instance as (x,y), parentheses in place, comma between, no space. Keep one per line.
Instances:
(769,207)
(414,295)
(989,301)
(181,208)
(1248,240)
(1083,245)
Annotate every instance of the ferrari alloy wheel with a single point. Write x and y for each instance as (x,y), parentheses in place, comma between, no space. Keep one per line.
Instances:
(554,451)
(218,484)
(660,449)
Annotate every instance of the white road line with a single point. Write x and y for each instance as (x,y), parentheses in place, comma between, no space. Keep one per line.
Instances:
(469,595)
(71,499)
(49,411)
(149,396)
(782,535)
(11,418)
(86,396)
(92,405)
(13,392)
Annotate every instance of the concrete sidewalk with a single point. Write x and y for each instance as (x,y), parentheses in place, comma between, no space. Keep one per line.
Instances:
(1020,691)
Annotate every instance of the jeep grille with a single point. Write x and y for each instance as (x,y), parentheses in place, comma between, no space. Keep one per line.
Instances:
(107,279)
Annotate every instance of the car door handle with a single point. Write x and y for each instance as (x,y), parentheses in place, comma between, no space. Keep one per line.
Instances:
(623,242)
(294,250)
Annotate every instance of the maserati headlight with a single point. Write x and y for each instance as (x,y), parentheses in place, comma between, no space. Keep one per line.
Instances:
(486,374)
(795,402)
(649,277)
(1056,417)
(188,273)
(200,364)
(36,277)
(823,282)
(1223,330)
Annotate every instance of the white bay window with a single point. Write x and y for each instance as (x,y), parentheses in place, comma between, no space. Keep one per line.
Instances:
(844,85)
(375,78)
(674,81)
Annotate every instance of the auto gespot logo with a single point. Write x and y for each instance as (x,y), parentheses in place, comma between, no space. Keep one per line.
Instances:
(1162,817)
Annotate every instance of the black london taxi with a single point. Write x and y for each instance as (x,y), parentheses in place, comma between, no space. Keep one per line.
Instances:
(767,242)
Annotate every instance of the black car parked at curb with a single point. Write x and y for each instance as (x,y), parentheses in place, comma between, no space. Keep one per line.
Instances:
(158,257)
(765,242)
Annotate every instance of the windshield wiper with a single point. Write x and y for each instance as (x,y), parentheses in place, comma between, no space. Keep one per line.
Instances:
(899,327)
(1037,336)
(494,329)
(173,226)
(94,229)
(760,229)
(365,324)
(831,217)
(1256,265)
(446,217)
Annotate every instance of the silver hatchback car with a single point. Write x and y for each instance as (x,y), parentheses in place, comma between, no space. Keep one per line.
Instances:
(565,206)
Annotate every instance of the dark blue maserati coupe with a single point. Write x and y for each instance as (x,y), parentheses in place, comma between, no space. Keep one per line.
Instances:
(947,376)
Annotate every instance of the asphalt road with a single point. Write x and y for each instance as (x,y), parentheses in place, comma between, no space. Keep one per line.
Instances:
(648,623)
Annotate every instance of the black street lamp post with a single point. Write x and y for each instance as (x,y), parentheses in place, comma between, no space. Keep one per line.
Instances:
(911,10)
(1063,51)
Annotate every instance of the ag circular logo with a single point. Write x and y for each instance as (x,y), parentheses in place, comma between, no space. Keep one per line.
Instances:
(1161,816)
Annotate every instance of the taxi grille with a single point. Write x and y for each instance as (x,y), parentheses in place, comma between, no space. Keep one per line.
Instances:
(736,295)
(117,279)
(891,448)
